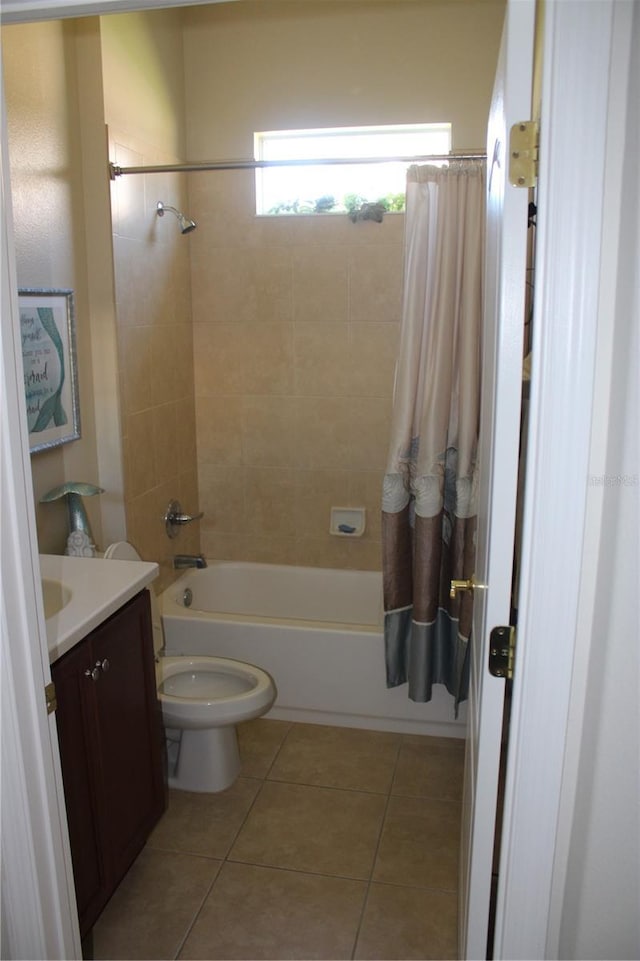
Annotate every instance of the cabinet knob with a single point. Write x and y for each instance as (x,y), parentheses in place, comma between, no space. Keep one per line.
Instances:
(104,665)
(93,673)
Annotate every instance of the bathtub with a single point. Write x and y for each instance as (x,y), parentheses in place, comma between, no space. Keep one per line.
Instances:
(318,632)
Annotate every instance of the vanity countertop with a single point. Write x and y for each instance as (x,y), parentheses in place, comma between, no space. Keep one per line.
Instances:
(88,590)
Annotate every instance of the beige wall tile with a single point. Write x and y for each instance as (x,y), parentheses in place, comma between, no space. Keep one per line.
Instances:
(218,359)
(320,284)
(267,361)
(268,431)
(136,365)
(365,490)
(324,433)
(185,452)
(222,498)
(165,442)
(140,448)
(243,284)
(224,546)
(271,549)
(338,552)
(219,430)
(321,359)
(316,492)
(369,438)
(375,284)
(372,359)
(314,396)
(270,498)
(145,526)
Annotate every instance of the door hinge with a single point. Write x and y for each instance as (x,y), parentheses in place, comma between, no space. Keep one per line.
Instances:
(502,649)
(50,697)
(523,154)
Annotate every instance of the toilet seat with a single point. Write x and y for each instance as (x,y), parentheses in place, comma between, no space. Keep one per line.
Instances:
(201,692)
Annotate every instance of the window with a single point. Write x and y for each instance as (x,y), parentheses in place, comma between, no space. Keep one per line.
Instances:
(328,188)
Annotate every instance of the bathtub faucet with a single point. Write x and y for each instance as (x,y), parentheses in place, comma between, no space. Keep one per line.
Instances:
(181,561)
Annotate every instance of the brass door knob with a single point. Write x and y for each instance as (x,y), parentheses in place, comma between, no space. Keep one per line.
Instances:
(467,585)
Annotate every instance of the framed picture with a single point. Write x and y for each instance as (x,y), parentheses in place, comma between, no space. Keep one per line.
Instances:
(47,329)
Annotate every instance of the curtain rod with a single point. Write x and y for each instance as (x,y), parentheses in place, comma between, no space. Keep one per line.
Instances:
(116,171)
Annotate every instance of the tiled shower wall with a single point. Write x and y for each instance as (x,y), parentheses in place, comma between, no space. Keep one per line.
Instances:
(155,348)
(296,322)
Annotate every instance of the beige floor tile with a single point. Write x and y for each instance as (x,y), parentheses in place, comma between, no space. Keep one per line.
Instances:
(320,830)
(430,767)
(257,912)
(154,906)
(339,757)
(405,923)
(259,742)
(204,824)
(420,843)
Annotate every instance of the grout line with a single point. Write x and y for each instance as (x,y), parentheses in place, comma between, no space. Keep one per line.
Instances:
(224,860)
(375,853)
(280,746)
(329,787)
(196,914)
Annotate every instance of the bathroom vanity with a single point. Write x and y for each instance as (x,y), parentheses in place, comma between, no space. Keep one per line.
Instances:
(109,731)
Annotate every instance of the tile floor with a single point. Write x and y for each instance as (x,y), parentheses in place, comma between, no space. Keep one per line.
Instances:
(333,843)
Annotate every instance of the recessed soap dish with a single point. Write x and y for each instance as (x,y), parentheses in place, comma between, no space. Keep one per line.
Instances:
(347,521)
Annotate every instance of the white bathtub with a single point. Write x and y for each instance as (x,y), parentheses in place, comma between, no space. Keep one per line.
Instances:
(317,631)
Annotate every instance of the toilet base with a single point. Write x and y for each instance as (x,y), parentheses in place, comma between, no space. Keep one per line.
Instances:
(209,760)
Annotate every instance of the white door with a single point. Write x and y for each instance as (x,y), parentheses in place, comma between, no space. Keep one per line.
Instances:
(505,276)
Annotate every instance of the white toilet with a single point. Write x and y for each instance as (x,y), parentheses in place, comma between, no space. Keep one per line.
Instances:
(202,700)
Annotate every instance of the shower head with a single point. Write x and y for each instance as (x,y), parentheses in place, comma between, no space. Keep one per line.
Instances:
(186,225)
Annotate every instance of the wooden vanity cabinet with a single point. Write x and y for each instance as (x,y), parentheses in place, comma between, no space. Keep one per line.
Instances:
(112,752)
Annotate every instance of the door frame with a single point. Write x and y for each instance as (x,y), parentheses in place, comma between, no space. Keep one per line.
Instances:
(578,56)
(577,63)
(38,898)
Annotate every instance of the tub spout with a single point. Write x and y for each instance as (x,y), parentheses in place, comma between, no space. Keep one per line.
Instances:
(181,561)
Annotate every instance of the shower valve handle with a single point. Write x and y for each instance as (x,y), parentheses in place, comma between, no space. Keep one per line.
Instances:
(174,518)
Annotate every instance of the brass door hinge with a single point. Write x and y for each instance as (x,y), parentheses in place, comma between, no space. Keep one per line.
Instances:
(523,154)
(502,649)
(50,697)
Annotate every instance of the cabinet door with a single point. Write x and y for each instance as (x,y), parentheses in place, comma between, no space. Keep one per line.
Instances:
(76,721)
(129,732)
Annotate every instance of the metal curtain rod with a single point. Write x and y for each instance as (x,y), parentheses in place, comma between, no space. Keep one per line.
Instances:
(117,171)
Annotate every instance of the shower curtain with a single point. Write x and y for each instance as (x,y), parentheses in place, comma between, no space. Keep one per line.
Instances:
(429,492)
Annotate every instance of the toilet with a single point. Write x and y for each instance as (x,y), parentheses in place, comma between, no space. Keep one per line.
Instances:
(202,700)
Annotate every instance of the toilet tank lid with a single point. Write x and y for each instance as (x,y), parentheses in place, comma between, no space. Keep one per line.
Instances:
(122,551)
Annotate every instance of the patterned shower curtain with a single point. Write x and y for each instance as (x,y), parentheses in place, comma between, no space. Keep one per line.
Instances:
(429,494)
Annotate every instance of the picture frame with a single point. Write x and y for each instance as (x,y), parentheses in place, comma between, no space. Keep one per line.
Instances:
(48,337)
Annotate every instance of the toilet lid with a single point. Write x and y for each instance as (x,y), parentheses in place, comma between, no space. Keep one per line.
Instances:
(122,551)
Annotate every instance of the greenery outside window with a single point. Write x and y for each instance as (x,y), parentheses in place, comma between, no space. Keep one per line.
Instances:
(341,188)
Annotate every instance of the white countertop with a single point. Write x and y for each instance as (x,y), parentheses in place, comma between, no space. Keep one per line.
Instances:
(98,588)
